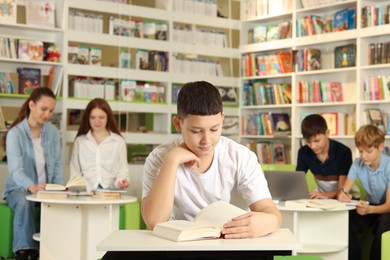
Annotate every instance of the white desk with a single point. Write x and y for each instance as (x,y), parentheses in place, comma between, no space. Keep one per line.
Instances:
(71,228)
(322,232)
(282,242)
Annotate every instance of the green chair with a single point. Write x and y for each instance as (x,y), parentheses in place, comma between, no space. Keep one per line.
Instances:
(6,231)
(130,216)
(385,254)
(278,167)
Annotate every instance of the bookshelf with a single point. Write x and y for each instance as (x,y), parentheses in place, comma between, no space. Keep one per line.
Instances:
(352,79)
(144,121)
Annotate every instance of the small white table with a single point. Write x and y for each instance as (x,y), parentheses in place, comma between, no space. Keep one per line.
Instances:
(71,228)
(322,232)
(143,242)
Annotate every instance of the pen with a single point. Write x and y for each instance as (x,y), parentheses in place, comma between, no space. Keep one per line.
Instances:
(344,191)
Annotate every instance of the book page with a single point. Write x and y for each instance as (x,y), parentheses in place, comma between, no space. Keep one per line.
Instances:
(218,213)
(54,187)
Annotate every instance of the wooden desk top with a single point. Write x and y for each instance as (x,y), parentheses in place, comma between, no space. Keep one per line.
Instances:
(144,240)
(84,200)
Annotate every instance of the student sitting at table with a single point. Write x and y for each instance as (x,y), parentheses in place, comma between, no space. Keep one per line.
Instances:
(201,167)
(327,159)
(34,159)
(373,171)
(99,151)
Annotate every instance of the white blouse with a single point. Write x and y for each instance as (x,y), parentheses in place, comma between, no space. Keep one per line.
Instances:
(104,163)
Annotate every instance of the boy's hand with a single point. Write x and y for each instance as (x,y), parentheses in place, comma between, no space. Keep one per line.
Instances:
(344,197)
(362,208)
(248,225)
(182,155)
(317,195)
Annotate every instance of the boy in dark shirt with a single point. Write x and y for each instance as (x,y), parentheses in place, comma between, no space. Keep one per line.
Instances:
(327,159)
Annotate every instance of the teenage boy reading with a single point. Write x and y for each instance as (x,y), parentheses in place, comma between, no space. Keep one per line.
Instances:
(327,159)
(373,171)
(201,167)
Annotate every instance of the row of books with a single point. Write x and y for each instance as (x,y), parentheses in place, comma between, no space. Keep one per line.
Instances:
(253,64)
(320,91)
(87,22)
(344,19)
(266,33)
(266,124)
(29,79)
(259,8)
(196,7)
(193,35)
(373,15)
(379,53)
(263,93)
(78,54)
(38,13)
(377,87)
(138,28)
(26,50)
(89,88)
(192,64)
(148,92)
(151,60)
(268,153)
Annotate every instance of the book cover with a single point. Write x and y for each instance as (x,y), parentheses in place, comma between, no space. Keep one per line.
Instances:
(52,194)
(345,56)
(127,90)
(325,204)
(2,121)
(331,119)
(95,56)
(340,20)
(8,11)
(375,117)
(206,225)
(281,123)
(336,91)
(124,59)
(229,95)
(29,79)
(313,59)
(279,154)
(40,13)
(230,125)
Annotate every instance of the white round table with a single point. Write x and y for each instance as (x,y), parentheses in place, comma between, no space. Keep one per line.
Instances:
(72,227)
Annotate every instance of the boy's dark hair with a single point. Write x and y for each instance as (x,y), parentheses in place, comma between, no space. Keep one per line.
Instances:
(369,136)
(199,98)
(313,125)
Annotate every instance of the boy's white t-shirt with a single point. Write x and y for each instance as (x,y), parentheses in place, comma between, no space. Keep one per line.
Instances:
(234,168)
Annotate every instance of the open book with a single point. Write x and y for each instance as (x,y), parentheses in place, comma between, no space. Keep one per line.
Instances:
(325,204)
(76,184)
(207,224)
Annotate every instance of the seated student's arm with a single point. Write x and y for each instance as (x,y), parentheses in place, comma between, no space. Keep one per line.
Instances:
(158,204)
(343,193)
(122,178)
(364,208)
(75,166)
(263,219)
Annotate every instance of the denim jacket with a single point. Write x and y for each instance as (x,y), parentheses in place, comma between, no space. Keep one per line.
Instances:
(22,171)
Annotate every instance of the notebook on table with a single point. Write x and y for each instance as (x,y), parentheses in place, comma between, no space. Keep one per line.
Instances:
(287,185)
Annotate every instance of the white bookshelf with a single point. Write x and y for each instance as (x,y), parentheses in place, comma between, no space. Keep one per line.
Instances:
(352,78)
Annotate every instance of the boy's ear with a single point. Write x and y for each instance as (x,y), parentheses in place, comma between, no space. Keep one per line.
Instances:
(327,133)
(381,147)
(176,123)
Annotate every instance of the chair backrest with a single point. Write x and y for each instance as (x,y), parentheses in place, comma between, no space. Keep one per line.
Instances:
(298,257)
